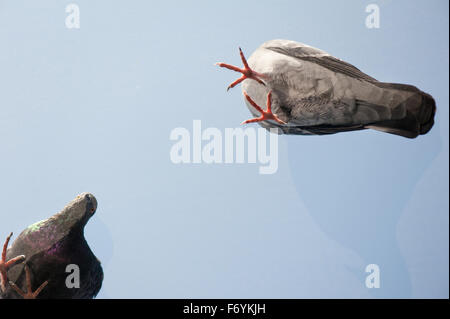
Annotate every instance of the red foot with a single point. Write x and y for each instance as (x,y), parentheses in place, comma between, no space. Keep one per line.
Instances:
(29,294)
(247,73)
(265,115)
(5,265)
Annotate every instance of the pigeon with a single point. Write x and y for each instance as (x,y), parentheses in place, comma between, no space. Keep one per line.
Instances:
(309,92)
(49,247)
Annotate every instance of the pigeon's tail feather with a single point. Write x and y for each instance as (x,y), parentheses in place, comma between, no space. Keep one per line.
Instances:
(418,120)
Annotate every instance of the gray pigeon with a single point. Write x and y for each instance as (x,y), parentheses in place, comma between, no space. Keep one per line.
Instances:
(313,93)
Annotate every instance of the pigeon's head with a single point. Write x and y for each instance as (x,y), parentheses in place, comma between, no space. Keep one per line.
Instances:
(80,209)
(74,216)
(71,220)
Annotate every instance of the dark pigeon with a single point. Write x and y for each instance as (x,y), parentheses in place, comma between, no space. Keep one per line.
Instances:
(49,246)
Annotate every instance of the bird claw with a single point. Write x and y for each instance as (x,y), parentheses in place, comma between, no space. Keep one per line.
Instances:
(265,115)
(29,294)
(247,72)
(5,265)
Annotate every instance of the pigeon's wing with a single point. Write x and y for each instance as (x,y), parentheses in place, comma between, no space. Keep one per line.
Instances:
(311,130)
(323,59)
(320,129)
(324,129)
(331,63)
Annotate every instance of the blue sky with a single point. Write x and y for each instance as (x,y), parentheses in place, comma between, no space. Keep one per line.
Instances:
(91,109)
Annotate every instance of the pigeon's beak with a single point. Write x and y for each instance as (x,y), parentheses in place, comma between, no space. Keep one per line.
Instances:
(91,203)
(87,202)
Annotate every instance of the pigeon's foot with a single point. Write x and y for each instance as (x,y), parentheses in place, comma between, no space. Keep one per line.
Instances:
(265,115)
(247,73)
(29,294)
(5,265)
